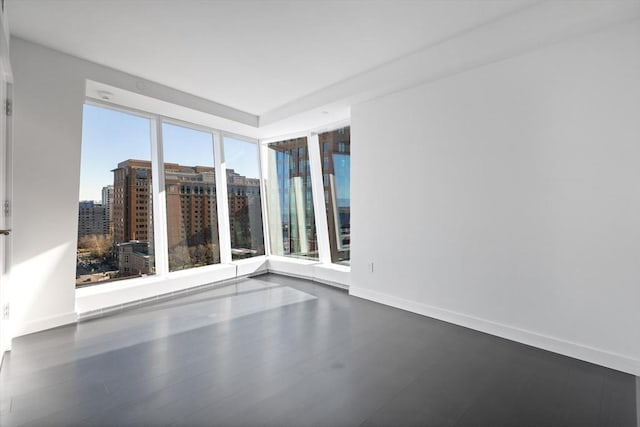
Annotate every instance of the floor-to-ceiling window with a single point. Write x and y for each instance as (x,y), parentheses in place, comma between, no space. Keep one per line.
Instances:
(158,195)
(243,190)
(335,155)
(290,200)
(190,193)
(149,201)
(115,209)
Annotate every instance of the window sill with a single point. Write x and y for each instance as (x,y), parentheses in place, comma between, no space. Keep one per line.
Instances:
(330,274)
(114,294)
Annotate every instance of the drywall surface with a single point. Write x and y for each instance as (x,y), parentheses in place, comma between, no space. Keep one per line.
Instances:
(47,118)
(507,198)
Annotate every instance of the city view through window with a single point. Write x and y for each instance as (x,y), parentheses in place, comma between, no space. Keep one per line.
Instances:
(115,217)
(116,224)
(190,184)
(243,190)
(115,211)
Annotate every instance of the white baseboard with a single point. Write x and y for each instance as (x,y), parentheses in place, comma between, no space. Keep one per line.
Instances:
(43,324)
(578,351)
(309,277)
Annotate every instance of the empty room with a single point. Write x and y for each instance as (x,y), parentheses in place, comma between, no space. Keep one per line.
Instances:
(185,241)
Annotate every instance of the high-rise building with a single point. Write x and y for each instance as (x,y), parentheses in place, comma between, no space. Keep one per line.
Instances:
(132,201)
(134,259)
(107,202)
(192,214)
(292,217)
(245,215)
(92,219)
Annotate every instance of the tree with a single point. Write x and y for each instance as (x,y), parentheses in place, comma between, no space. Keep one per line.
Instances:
(179,257)
(98,245)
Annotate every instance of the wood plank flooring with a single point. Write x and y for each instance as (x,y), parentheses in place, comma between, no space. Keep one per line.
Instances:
(278,351)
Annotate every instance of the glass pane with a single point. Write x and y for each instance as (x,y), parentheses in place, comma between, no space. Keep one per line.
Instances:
(192,214)
(115,215)
(336,173)
(292,225)
(243,189)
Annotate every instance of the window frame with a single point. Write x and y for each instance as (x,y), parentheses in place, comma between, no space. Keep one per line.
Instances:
(223,271)
(160,235)
(263,207)
(317,188)
(265,164)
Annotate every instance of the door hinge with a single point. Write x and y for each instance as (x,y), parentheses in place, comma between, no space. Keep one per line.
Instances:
(6,207)
(5,312)
(8,107)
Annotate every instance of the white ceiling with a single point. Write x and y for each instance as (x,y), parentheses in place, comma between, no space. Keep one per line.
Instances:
(253,55)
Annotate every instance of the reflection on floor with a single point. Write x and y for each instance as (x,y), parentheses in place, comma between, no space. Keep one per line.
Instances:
(280,351)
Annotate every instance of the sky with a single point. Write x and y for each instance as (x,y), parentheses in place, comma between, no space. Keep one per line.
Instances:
(342,172)
(110,137)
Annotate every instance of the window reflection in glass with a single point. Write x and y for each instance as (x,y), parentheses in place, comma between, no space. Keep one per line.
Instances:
(192,214)
(292,225)
(336,173)
(245,207)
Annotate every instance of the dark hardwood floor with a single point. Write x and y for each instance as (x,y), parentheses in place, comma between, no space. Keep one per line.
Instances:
(279,351)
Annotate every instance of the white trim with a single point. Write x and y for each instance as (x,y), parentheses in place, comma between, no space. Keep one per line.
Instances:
(139,86)
(295,267)
(251,266)
(222,198)
(257,258)
(118,285)
(292,260)
(330,274)
(119,108)
(244,138)
(319,206)
(598,356)
(337,275)
(159,200)
(150,281)
(328,127)
(330,283)
(258,147)
(91,299)
(38,325)
(165,119)
(263,155)
(294,135)
(185,124)
(138,100)
(107,311)
(289,273)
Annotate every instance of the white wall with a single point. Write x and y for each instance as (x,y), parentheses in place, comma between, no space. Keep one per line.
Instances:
(507,198)
(47,133)
(6,149)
